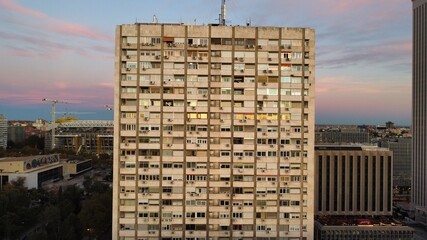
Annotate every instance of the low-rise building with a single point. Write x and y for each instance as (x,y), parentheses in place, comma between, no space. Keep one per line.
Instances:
(36,170)
(76,167)
(40,170)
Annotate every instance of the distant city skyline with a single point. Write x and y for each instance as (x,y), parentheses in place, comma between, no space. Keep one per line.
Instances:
(65,50)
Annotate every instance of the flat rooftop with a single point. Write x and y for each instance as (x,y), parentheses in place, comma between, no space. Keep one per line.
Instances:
(21,159)
(349,148)
(347,220)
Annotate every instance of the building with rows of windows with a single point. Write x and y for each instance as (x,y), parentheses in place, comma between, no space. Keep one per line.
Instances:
(214,132)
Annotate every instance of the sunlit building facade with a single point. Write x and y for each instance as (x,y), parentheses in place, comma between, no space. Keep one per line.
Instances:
(419,116)
(214,132)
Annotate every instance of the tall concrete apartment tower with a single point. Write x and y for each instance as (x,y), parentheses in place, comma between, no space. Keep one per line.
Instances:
(214,132)
(3,131)
(419,112)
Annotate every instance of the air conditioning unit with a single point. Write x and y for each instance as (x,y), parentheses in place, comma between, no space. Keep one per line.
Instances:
(193,108)
(157,57)
(194,58)
(145,107)
(146,119)
(241,59)
(128,69)
(152,82)
(169,145)
(170,120)
(269,59)
(236,58)
(264,71)
(242,70)
(205,95)
(287,59)
(259,46)
(166,57)
(270,71)
(169,132)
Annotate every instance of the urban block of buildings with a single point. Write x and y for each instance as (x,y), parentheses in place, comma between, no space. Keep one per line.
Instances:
(214,132)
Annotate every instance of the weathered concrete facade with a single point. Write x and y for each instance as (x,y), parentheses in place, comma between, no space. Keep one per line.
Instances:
(214,132)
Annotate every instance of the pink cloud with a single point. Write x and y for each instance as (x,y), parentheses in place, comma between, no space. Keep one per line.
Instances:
(76,30)
(19,53)
(61,85)
(14,7)
(107,84)
(345,85)
(54,24)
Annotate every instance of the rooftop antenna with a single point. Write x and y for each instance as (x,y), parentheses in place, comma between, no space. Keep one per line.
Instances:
(249,22)
(222,15)
(155,20)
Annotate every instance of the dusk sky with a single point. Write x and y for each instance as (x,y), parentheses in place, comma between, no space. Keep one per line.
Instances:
(64,50)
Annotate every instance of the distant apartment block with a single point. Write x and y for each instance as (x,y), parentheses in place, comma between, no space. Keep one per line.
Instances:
(402,160)
(3,132)
(214,134)
(16,134)
(419,109)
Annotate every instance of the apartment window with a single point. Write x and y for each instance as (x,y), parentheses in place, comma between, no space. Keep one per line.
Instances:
(227,41)
(216,41)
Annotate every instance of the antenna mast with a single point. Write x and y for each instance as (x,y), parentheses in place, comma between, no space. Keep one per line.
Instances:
(222,15)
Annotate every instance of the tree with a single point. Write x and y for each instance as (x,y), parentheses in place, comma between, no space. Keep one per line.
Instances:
(96,212)
(71,228)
